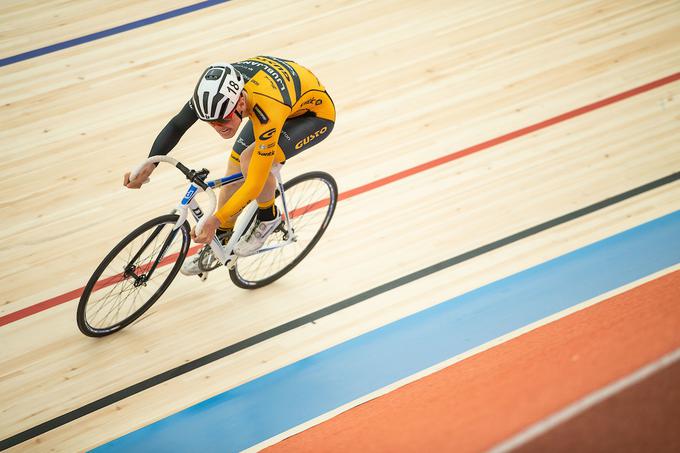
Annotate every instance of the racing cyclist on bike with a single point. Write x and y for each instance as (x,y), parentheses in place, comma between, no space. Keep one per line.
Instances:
(289,111)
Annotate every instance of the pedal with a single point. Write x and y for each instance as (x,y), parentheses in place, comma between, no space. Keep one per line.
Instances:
(203,276)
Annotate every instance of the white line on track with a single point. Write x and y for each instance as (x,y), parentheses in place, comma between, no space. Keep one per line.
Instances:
(583,404)
(500,340)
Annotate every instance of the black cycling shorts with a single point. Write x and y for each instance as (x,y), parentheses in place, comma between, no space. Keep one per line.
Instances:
(297,134)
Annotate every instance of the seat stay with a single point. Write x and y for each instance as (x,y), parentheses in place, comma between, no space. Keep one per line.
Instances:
(286,216)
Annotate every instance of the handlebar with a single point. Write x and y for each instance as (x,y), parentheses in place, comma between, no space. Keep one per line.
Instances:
(196,177)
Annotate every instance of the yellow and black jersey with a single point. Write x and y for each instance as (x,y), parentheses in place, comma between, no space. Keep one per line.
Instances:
(289,111)
(280,89)
(277,90)
(283,81)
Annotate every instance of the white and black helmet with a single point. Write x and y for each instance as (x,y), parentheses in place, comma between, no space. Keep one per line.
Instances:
(217,91)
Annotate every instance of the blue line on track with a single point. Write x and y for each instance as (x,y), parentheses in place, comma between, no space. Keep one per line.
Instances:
(111,31)
(255,411)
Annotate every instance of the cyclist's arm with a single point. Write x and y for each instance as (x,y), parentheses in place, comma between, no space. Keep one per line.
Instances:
(166,140)
(173,131)
(266,141)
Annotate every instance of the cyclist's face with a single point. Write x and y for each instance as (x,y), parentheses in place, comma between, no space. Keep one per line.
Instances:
(228,126)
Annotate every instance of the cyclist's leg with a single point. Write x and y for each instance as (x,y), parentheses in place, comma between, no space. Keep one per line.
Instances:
(301,133)
(227,191)
(305,131)
(269,188)
(297,134)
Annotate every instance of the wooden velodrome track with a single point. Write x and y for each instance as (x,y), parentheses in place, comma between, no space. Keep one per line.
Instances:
(412,82)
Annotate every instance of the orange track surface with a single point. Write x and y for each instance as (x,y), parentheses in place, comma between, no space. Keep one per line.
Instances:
(642,418)
(487,398)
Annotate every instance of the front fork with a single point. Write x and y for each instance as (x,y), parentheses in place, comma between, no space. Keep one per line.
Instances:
(131,268)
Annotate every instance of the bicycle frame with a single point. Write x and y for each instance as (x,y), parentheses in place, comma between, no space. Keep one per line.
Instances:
(223,253)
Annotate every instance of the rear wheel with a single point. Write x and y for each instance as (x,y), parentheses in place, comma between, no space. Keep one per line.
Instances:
(311,199)
(133,276)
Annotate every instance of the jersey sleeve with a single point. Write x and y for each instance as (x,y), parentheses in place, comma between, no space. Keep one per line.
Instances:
(268,118)
(173,131)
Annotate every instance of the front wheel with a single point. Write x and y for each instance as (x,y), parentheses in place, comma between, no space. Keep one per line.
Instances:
(311,199)
(133,276)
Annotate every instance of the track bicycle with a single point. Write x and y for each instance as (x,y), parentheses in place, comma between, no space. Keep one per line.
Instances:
(138,270)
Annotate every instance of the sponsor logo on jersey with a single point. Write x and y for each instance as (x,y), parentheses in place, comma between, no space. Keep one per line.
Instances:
(266,135)
(270,71)
(282,70)
(259,113)
(312,101)
(311,137)
(268,153)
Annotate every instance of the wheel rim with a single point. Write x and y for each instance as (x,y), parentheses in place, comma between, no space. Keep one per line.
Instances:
(310,204)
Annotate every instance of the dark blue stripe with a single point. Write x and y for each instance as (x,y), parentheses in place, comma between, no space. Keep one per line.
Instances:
(109,32)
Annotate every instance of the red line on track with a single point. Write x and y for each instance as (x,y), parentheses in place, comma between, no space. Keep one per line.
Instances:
(63,298)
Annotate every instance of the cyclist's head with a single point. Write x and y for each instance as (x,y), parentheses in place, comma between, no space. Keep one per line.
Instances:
(217,92)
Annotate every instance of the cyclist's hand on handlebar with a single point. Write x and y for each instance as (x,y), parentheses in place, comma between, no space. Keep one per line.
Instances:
(140,179)
(208,232)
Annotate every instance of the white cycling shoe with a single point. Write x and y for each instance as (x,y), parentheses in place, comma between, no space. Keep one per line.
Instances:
(190,266)
(258,234)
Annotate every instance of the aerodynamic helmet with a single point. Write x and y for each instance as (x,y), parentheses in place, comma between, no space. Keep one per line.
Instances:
(217,91)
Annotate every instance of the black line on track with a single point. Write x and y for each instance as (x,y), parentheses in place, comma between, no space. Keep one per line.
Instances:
(269,334)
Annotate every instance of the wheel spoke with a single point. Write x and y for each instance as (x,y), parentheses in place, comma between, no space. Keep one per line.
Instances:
(120,291)
(311,202)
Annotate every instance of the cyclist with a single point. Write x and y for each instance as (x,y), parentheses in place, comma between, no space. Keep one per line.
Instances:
(289,111)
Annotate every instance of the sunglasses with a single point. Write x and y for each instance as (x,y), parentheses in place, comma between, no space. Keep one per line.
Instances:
(227,118)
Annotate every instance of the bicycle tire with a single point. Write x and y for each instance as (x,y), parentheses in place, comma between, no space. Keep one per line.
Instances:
(323,202)
(99,281)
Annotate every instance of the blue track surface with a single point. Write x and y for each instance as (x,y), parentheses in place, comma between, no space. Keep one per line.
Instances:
(285,398)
